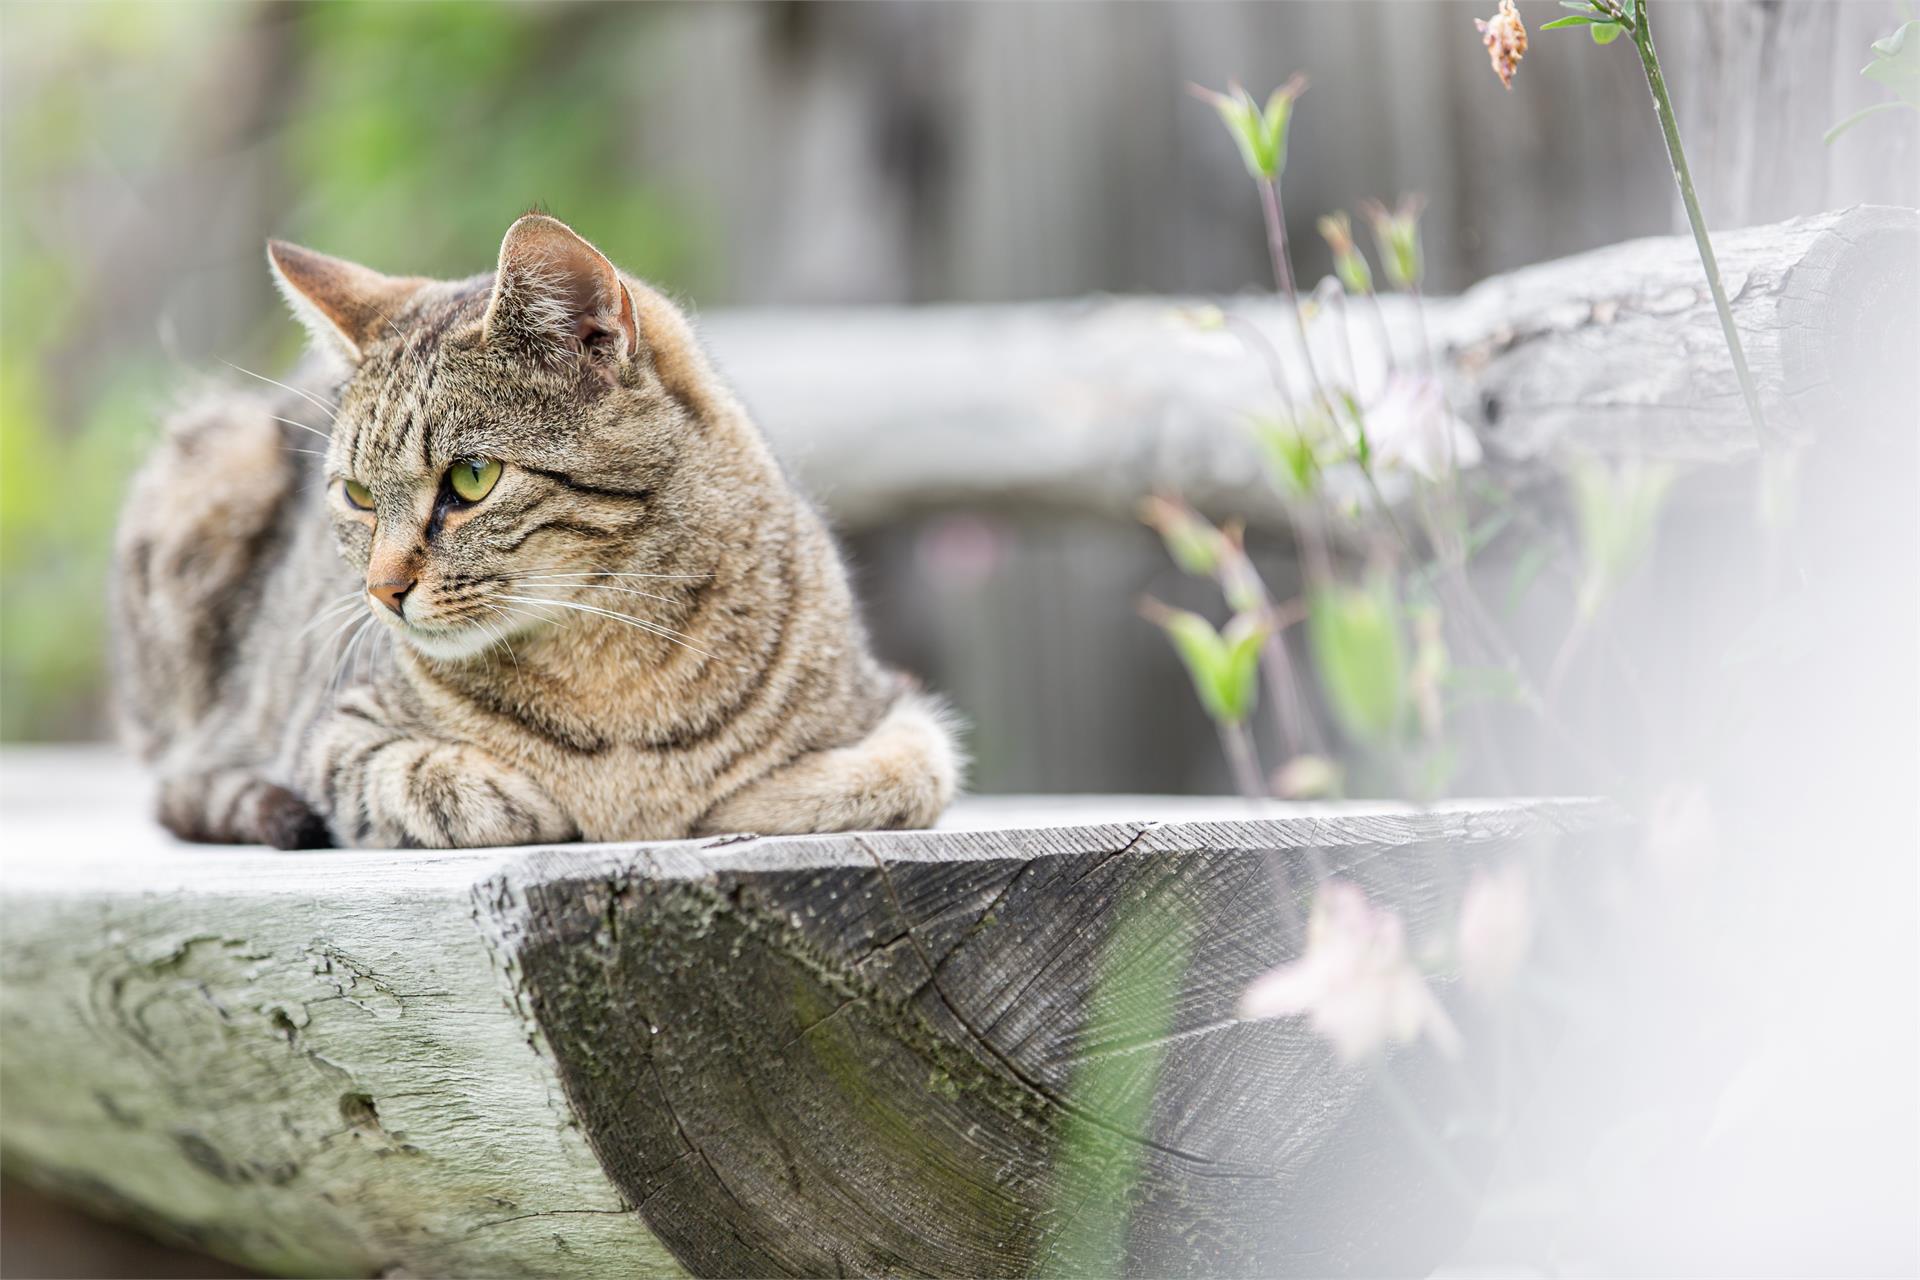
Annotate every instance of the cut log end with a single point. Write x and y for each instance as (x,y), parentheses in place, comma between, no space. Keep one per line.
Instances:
(1003,1047)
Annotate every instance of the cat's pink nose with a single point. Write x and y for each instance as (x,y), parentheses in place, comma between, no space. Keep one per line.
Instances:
(392,592)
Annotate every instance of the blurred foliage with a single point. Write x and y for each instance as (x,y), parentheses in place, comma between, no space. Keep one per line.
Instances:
(1356,637)
(1141,972)
(405,136)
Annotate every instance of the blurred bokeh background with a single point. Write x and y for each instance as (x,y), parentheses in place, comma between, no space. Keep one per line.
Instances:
(750,154)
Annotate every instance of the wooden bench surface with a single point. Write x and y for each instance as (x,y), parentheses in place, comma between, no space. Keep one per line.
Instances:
(1005,1046)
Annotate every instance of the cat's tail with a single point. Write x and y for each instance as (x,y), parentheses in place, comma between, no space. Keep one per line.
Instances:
(902,774)
(200,521)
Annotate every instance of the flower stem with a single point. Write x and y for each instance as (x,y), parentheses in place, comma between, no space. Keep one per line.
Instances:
(1670,128)
(1238,744)
(1283,278)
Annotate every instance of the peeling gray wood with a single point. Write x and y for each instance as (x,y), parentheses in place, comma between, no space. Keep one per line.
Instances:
(1086,405)
(890,1053)
(305,1064)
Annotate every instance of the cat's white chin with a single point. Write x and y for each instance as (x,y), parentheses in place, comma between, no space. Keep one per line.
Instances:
(452,644)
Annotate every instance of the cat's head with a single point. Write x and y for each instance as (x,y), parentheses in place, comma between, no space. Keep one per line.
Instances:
(501,446)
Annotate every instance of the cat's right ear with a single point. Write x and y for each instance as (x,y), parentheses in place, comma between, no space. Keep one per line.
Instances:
(343,305)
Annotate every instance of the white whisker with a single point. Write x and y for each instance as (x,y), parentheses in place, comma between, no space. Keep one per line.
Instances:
(598,573)
(322,405)
(660,627)
(651,628)
(303,426)
(346,656)
(331,643)
(625,591)
(533,617)
(330,612)
(502,634)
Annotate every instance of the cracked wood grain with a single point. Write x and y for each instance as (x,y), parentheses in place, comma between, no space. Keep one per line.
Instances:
(900,1053)
(874,1043)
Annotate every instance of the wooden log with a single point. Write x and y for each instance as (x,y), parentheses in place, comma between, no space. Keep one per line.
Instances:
(1088,405)
(1004,1047)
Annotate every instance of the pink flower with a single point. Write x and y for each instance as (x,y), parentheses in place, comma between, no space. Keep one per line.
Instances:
(1411,426)
(1354,981)
(1496,927)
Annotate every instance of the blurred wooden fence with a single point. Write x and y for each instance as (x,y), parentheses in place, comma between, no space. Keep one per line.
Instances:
(953,152)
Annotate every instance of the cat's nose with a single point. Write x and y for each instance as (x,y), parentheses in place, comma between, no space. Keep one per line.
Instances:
(392,592)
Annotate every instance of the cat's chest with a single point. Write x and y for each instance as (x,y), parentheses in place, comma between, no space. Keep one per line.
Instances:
(629,792)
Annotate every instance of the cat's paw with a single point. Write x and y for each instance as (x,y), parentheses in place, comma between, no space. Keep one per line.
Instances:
(444,796)
(285,821)
(237,806)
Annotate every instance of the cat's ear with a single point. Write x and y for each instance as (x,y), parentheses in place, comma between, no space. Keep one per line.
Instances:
(556,296)
(344,306)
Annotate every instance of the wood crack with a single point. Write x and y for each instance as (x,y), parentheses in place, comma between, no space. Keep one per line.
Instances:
(1013,1068)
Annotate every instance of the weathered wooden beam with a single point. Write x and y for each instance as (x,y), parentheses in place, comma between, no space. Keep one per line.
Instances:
(1004,1047)
(1087,405)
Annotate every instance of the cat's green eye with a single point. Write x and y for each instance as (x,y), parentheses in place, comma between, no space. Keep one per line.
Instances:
(473,478)
(358,495)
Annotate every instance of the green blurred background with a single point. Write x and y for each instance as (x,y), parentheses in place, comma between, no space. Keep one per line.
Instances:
(755,154)
(156,139)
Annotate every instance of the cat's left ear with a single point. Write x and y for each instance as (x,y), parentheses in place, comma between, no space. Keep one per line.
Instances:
(344,305)
(557,297)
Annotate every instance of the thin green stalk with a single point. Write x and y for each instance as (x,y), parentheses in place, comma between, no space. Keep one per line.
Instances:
(1244,760)
(1283,277)
(1296,727)
(1670,128)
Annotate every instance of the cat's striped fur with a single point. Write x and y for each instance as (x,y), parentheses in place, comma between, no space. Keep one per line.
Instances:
(641,632)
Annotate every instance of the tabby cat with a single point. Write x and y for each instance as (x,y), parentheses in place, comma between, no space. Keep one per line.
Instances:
(510,565)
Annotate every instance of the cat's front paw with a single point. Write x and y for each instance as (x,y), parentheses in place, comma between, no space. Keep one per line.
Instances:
(445,796)
(286,821)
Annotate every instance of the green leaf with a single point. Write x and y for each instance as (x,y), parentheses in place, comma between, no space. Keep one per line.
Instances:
(1224,666)
(1359,655)
(1619,510)
(1273,138)
(1893,46)
(1357,428)
(1604,32)
(1194,544)
(1291,455)
(1237,113)
(1240,682)
(1896,63)
(1525,570)
(1572,20)
(1481,535)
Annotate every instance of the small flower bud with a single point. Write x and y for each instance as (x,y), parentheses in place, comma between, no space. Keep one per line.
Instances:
(1194,544)
(1261,134)
(1239,580)
(1309,778)
(1397,235)
(1349,264)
